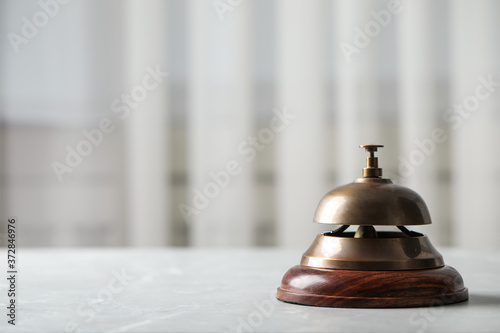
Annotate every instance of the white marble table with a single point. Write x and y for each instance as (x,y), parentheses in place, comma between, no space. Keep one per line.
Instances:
(172,290)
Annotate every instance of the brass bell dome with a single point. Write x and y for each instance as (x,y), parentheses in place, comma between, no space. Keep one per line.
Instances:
(372,200)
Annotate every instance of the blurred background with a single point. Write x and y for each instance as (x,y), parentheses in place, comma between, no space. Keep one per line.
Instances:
(223,123)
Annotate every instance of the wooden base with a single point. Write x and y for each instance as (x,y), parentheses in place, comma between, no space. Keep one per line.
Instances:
(372,289)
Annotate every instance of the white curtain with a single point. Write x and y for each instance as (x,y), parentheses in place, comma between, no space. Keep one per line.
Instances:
(261,113)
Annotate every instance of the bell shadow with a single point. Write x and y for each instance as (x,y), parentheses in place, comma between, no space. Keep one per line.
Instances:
(479,300)
(484,300)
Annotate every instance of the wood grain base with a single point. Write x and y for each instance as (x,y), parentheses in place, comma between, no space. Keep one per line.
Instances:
(372,289)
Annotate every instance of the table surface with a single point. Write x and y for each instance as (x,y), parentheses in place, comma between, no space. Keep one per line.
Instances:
(208,290)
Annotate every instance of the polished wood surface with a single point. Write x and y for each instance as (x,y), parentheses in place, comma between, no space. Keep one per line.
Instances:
(372,289)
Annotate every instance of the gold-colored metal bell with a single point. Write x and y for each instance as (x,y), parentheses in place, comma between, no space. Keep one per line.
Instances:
(367,202)
(388,260)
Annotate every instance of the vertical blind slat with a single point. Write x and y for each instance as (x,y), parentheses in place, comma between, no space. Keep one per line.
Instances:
(219,121)
(476,184)
(357,102)
(300,155)
(146,127)
(419,113)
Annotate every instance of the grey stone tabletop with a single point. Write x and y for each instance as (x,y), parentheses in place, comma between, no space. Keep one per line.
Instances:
(215,290)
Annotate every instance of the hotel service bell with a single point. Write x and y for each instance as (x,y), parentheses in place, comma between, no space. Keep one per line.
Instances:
(369,268)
